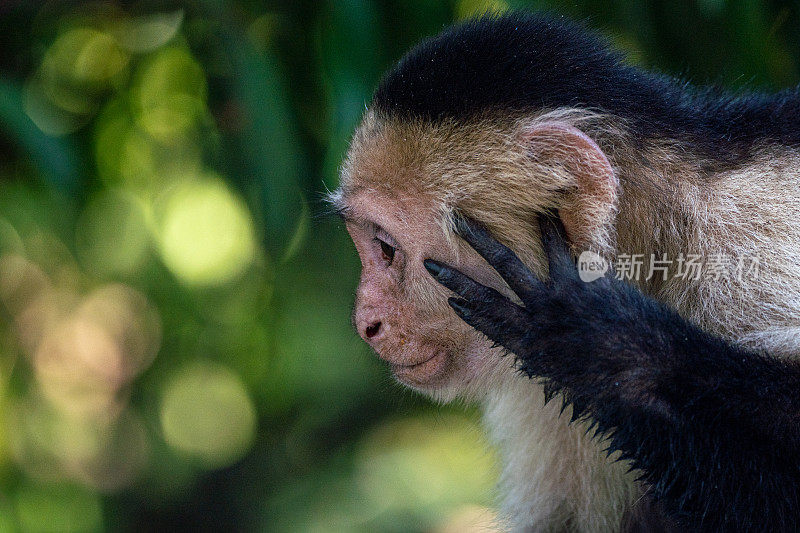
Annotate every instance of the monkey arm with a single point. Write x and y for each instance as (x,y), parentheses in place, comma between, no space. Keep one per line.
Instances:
(714,428)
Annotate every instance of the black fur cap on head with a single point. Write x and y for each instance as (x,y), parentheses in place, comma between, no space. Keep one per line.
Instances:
(523,61)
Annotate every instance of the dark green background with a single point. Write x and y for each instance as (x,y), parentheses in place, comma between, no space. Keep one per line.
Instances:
(154,370)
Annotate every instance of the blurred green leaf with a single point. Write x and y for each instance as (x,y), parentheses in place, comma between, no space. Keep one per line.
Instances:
(266,152)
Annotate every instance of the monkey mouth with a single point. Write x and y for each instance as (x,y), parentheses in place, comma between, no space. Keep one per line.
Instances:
(423,372)
(413,365)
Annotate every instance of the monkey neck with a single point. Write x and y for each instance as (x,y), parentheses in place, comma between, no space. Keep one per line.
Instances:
(554,477)
(658,208)
(671,196)
(642,174)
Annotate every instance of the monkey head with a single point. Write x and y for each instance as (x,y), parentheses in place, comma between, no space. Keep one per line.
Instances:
(443,134)
(401,183)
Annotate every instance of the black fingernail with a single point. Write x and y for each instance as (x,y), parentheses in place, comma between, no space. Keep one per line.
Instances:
(457,306)
(432,266)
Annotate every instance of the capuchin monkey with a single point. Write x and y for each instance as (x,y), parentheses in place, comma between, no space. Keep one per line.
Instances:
(679,386)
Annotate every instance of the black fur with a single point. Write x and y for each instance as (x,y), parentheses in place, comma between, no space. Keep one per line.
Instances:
(522,61)
(714,429)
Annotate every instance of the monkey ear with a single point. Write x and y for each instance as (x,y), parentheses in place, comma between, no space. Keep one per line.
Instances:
(591,186)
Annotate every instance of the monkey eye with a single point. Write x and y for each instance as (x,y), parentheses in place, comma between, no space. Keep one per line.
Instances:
(387,250)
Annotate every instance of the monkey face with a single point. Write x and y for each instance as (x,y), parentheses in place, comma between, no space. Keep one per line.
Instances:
(398,310)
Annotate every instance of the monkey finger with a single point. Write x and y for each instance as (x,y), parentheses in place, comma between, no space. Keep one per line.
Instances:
(463,285)
(556,247)
(513,271)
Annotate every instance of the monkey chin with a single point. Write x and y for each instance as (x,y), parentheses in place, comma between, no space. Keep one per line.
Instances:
(467,372)
(425,376)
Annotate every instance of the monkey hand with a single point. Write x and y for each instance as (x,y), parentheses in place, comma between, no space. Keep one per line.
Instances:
(696,415)
(590,338)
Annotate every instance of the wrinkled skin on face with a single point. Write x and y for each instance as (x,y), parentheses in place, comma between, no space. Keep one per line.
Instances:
(400,311)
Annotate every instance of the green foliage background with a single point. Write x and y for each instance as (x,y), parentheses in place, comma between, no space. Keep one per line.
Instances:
(175,346)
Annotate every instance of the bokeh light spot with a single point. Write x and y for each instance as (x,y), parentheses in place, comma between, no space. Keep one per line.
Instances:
(133,323)
(207,413)
(79,66)
(148,32)
(86,57)
(435,465)
(50,118)
(173,71)
(173,118)
(21,282)
(170,96)
(128,156)
(99,60)
(84,359)
(116,454)
(112,236)
(206,233)
(79,366)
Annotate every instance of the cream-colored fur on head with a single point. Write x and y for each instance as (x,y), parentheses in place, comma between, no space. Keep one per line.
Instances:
(669,200)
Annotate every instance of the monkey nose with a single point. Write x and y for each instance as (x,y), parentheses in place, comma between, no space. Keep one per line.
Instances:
(372,330)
